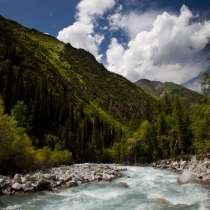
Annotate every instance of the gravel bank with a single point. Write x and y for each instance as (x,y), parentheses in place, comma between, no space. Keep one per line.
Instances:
(58,177)
(192,168)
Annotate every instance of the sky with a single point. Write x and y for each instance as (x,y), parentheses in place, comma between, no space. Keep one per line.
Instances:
(154,39)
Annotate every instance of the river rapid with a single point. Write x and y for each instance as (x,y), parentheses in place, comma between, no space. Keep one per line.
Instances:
(148,189)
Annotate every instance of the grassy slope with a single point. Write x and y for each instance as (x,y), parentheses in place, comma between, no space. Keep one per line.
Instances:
(74,72)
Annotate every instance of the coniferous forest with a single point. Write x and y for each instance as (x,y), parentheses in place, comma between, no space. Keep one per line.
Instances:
(59,105)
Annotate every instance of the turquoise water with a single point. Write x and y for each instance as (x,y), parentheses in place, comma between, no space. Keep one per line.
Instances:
(149,189)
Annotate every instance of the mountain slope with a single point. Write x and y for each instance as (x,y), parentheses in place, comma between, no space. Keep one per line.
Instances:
(195,83)
(68,94)
(159,89)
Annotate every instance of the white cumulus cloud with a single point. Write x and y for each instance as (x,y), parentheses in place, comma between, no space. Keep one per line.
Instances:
(133,22)
(81,33)
(163,47)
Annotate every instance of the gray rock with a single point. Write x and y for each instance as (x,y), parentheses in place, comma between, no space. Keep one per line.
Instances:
(27,187)
(23,180)
(68,176)
(107,177)
(7,191)
(186,178)
(124,184)
(71,184)
(17,178)
(17,186)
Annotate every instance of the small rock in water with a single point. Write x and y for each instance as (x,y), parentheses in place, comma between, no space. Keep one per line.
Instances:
(164,201)
(124,184)
(186,178)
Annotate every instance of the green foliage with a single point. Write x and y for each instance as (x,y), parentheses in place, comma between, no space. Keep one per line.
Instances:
(46,158)
(139,145)
(16,149)
(17,152)
(201,128)
(20,112)
(169,135)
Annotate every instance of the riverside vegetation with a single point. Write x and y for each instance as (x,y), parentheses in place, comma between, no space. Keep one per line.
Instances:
(60,106)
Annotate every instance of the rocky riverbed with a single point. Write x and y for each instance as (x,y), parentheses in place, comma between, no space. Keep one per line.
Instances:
(58,177)
(191,168)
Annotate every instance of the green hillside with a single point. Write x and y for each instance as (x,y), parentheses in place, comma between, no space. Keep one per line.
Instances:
(68,94)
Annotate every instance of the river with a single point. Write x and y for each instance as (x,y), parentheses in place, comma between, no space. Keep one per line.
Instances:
(149,189)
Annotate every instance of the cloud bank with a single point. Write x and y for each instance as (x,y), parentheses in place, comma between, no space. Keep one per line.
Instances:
(164,51)
(160,45)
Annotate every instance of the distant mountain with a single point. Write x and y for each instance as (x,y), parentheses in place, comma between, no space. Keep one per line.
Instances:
(195,83)
(159,89)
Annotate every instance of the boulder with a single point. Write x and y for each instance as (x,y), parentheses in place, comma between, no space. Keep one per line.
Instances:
(106,178)
(17,178)
(23,180)
(7,191)
(124,184)
(17,186)
(71,184)
(206,178)
(27,187)
(186,178)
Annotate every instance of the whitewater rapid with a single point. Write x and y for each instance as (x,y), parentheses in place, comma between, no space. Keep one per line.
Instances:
(149,189)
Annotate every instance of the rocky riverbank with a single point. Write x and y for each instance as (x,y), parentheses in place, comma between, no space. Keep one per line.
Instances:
(59,177)
(191,168)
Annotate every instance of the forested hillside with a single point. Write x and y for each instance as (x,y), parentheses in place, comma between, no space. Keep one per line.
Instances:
(63,106)
(71,101)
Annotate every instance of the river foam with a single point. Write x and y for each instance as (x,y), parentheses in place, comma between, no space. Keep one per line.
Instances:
(148,189)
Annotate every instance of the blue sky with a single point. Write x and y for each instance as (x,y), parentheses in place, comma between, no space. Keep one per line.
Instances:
(46,15)
(123,34)
(52,15)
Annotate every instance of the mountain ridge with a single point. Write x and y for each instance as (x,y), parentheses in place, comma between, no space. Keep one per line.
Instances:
(68,94)
(160,89)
